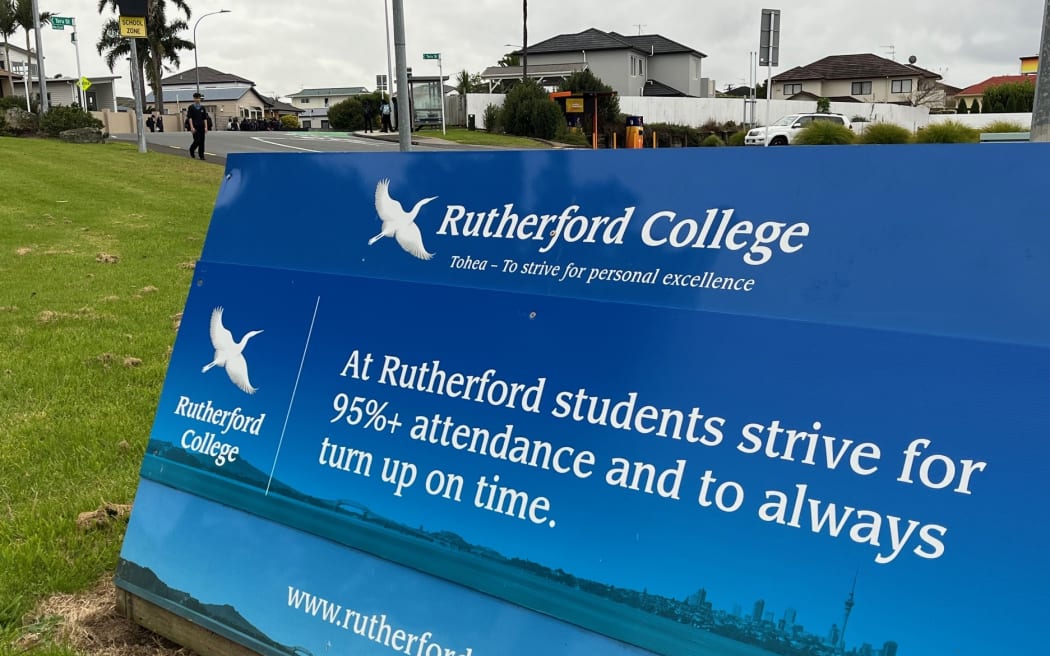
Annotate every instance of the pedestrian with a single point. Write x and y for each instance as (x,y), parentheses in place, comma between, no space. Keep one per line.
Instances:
(369,115)
(384,112)
(160,123)
(151,124)
(197,122)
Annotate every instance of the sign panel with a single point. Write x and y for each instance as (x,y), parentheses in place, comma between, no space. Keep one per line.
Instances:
(133,27)
(769,38)
(60,22)
(573,105)
(84,83)
(431,55)
(520,403)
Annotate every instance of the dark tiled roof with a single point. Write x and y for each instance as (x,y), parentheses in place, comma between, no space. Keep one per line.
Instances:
(806,95)
(208,76)
(655,88)
(273,103)
(657,45)
(978,89)
(852,67)
(590,39)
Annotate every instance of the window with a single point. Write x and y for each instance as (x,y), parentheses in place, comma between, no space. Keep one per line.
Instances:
(792,89)
(324,124)
(634,66)
(861,89)
(900,86)
(306,124)
(325,102)
(304,101)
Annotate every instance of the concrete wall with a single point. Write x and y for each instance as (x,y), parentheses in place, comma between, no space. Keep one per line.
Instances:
(698,111)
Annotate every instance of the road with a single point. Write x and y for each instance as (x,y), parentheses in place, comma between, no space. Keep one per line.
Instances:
(221,143)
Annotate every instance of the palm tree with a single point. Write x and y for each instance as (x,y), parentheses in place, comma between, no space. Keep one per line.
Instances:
(162,43)
(24,17)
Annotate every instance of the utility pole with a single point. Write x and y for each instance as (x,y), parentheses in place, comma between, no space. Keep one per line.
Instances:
(41,76)
(404,87)
(524,40)
(1041,111)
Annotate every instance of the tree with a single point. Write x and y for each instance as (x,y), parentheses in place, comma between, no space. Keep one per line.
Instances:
(162,43)
(823,105)
(24,17)
(927,92)
(347,115)
(510,59)
(467,82)
(608,106)
(975,106)
(960,107)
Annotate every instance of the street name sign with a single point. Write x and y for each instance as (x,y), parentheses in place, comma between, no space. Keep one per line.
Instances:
(575,402)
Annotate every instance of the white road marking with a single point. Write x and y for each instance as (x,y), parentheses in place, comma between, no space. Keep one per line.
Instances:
(280,145)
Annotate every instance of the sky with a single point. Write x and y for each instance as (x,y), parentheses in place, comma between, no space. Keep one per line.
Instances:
(284,48)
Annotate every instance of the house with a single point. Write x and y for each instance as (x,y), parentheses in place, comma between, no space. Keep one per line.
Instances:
(226,96)
(642,65)
(314,103)
(860,78)
(61,89)
(975,92)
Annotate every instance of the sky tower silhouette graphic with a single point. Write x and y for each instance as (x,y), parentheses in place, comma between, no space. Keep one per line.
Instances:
(849,608)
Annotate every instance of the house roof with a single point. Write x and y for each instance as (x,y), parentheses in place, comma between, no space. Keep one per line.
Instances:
(210,95)
(657,45)
(589,39)
(806,95)
(979,88)
(655,88)
(851,67)
(535,70)
(280,106)
(329,91)
(207,76)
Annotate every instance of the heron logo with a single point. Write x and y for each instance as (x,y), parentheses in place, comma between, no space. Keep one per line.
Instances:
(230,354)
(398,223)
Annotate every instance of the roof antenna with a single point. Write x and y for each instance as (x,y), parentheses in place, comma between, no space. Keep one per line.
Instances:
(640,26)
(892,50)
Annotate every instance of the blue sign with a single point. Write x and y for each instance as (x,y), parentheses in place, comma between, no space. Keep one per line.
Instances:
(610,403)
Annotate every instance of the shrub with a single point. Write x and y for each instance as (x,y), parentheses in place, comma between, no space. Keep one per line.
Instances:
(529,112)
(885,133)
(674,135)
(824,133)
(960,107)
(712,141)
(61,117)
(493,116)
(289,122)
(346,115)
(737,139)
(1004,126)
(823,105)
(947,132)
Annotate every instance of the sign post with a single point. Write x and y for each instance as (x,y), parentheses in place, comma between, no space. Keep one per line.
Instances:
(769,53)
(60,23)
(441,85)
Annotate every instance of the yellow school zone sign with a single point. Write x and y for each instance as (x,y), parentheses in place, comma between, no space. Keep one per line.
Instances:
(133,26)
(84,84)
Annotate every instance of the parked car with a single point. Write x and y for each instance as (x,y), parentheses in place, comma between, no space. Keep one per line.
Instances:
(783,132)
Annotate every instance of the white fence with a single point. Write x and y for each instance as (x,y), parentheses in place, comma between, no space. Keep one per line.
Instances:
(698,111)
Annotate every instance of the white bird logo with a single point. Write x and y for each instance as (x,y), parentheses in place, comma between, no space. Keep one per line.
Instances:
(399,224)
(228,353)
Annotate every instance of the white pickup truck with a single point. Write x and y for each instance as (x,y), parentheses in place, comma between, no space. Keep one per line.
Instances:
(784,130)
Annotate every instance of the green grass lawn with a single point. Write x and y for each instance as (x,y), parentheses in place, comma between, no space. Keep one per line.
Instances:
(482,138)
(97,245)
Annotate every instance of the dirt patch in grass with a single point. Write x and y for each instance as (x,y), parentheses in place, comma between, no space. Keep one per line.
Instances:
(24,250)
(89,623)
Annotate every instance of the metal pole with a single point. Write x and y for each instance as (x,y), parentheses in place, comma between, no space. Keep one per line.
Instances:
(42,77)
(76,44)
(196,68)
(441,94)
(524,40)
(404,88)
(136,87)
(389,70)
(25,81)
(1041,110)
(769,77)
